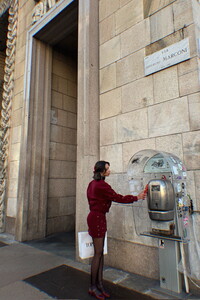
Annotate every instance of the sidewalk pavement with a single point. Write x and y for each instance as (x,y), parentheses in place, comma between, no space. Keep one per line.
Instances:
(19,261)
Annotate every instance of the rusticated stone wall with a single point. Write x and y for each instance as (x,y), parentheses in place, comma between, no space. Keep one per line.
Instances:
(63,137)
(137,112)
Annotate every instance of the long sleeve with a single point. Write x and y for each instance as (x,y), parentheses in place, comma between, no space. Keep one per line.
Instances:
(100,196)
(111,195)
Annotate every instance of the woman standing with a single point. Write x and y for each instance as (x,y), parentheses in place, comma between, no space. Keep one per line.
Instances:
(100,196)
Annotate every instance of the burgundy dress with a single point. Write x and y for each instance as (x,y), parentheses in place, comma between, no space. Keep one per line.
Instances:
(100,196)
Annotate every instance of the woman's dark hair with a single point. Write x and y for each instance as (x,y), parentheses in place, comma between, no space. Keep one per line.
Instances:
(99,168)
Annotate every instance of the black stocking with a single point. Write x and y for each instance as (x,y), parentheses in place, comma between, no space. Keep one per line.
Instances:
(100,274)
(97,262)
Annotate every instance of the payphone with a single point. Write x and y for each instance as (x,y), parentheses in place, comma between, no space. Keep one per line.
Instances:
(165,213)
(161,200)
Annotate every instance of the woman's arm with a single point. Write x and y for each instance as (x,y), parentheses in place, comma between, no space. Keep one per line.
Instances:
(111,195)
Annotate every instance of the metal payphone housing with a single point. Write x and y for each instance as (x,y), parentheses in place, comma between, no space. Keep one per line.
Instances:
(161,216)
(161,200)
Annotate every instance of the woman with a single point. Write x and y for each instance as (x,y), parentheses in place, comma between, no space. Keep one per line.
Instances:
(100,196)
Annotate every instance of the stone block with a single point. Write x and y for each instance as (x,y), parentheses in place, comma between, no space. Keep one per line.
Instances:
(13,188)
(187,66)
(61,206)
(63,68)
(183,14)
(16,134)
(72,89)
(28,7)
(17,101)
(171,144)
(166,85)
(21,40)
(161,24)
(57,55)
(69,136)
(14,152)
(192,86)
(62,169)
(67,205)
(113,154)
(137,94)
(60,84)
(108,131)
(194,109)
(29,19)
(110,103)
(106,8)
(71,120)
(60,224)
(56,134)
(53,207)
(165,42)
(14,169)
(16,117)
(119,182)
(129,38)
(137,257)
(132,126)
(69,103)
(191,150)
(21,26)
(110,52)
(130,148)
(151,7)
(62,151)
(168,117)
(124,2)
(19,69)
(190,31)
(196,12)
(108,78)
(54,116)
(20,55)
(66,119)
(61,187)
(19,85)
(130,68)
(57,99)
(62,117)
(11,207)
(107,29)
(128,15)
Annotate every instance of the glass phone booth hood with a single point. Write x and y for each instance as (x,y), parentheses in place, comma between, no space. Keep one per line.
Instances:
(165,213)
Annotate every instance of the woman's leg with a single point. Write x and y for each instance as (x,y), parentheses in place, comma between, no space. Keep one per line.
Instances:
(100,279)
(100,273)
(97,261)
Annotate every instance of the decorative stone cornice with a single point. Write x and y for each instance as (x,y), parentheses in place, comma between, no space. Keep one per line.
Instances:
(7,101)
(4,5)
(41,8)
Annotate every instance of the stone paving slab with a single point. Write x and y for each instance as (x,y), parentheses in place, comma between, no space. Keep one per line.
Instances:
(20,290)
(20,261)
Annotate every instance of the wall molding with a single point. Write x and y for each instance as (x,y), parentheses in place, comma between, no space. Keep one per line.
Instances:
(8,87)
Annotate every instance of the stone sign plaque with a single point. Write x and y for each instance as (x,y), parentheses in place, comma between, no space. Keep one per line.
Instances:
(167,57)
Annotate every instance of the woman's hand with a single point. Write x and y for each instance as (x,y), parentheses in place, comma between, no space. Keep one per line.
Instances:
(143,194)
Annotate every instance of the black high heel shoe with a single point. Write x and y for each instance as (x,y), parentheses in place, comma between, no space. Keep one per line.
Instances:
(104,292)
(96,293)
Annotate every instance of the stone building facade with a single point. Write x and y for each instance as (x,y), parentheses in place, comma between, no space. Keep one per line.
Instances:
(74,91)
